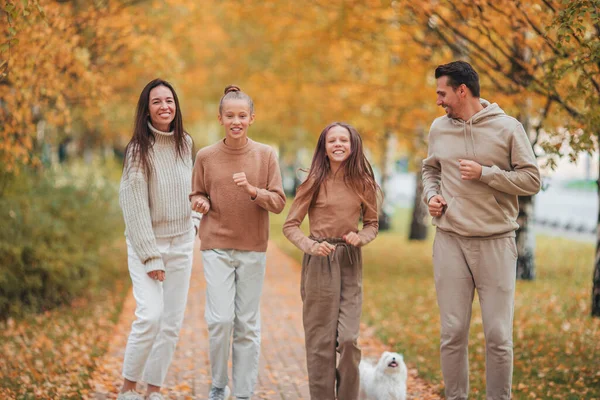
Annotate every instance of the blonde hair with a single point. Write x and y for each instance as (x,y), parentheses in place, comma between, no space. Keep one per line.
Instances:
(233,92)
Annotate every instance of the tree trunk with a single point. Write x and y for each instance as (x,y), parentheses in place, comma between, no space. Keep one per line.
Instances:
(525,240)
(418,225)
(596,280)
(525,235)
(384,219)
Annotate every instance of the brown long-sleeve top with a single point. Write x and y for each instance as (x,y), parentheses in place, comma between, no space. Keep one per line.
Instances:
(235,220)
(335,212)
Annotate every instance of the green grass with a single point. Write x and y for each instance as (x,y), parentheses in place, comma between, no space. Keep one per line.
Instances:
(582,184)
(63,279)
(557,346)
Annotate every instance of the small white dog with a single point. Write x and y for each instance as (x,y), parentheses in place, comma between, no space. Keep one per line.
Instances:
(385,380)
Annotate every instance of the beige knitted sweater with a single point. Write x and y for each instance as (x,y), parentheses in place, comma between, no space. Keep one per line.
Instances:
(157,206)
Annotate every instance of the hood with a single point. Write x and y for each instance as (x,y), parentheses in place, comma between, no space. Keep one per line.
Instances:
(489,110)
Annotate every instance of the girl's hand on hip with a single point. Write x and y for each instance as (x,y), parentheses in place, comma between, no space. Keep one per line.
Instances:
(201,205)
(241,180)
(157,275)
(353,239)
(324,249)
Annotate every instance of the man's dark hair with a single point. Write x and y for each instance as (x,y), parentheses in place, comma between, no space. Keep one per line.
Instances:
(459,72)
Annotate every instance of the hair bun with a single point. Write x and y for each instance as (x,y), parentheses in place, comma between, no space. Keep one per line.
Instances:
(232,88)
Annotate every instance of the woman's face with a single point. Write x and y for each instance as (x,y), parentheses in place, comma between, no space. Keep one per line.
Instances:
(337,145)
(236,118)
(162,108)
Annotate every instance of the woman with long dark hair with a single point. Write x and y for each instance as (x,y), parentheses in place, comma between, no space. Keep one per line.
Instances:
(339,190)
(160,231)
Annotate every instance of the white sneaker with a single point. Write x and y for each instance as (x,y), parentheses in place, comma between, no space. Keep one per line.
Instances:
(130,395)
(219,393)
(155,396)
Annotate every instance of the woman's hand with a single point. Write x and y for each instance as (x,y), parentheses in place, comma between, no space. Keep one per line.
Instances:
(241,180)
(324,249)
(201,205)
(157,275)
(353,239)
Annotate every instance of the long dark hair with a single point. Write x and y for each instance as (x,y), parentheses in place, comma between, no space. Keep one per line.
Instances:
(138,149)
(358,174)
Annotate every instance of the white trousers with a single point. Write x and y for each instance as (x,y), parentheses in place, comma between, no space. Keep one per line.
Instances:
(234,281)
(160,307)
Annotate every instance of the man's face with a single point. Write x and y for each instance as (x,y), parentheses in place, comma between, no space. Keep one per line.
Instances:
(448,98)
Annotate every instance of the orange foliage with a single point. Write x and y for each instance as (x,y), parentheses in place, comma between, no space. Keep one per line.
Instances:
(535,56)
(370,63)
(68,71)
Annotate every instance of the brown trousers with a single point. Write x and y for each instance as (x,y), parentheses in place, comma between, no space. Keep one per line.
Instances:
(462,265)
(331,290)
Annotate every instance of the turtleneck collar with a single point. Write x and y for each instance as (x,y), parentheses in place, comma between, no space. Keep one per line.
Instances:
(235,150)
(158,132)
(160,137)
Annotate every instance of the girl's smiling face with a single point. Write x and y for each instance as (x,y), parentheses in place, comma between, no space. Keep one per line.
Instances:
(337,146)
(236,118)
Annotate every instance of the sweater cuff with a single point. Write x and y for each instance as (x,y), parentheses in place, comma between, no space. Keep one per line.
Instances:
(154,264)
(487,174)
(258,194)
(429,195)
(313,247)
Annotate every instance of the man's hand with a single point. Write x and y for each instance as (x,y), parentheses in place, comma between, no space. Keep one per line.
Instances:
(436,205)
(352,238)
(324,249)
(157,275)
(201,205)
(241,181)
(470,170)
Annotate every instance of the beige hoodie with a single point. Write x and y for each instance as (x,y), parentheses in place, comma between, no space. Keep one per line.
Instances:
(487,207)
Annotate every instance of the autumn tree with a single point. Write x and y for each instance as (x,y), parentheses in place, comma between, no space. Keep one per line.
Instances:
(68,67)
(330,61)
(508,43)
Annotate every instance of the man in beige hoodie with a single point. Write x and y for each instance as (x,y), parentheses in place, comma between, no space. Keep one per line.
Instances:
(479,161)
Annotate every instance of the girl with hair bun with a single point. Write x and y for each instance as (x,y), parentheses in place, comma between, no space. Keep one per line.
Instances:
(236,183)
(339,190)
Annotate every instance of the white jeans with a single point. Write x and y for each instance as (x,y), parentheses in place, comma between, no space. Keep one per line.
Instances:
(159,311)
(234,281)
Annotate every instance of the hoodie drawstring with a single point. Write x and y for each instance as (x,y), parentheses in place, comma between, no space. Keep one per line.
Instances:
(472,138)
(466,139)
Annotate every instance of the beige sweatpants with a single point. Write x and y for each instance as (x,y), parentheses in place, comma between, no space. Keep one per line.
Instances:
(331,291)
(462,265)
